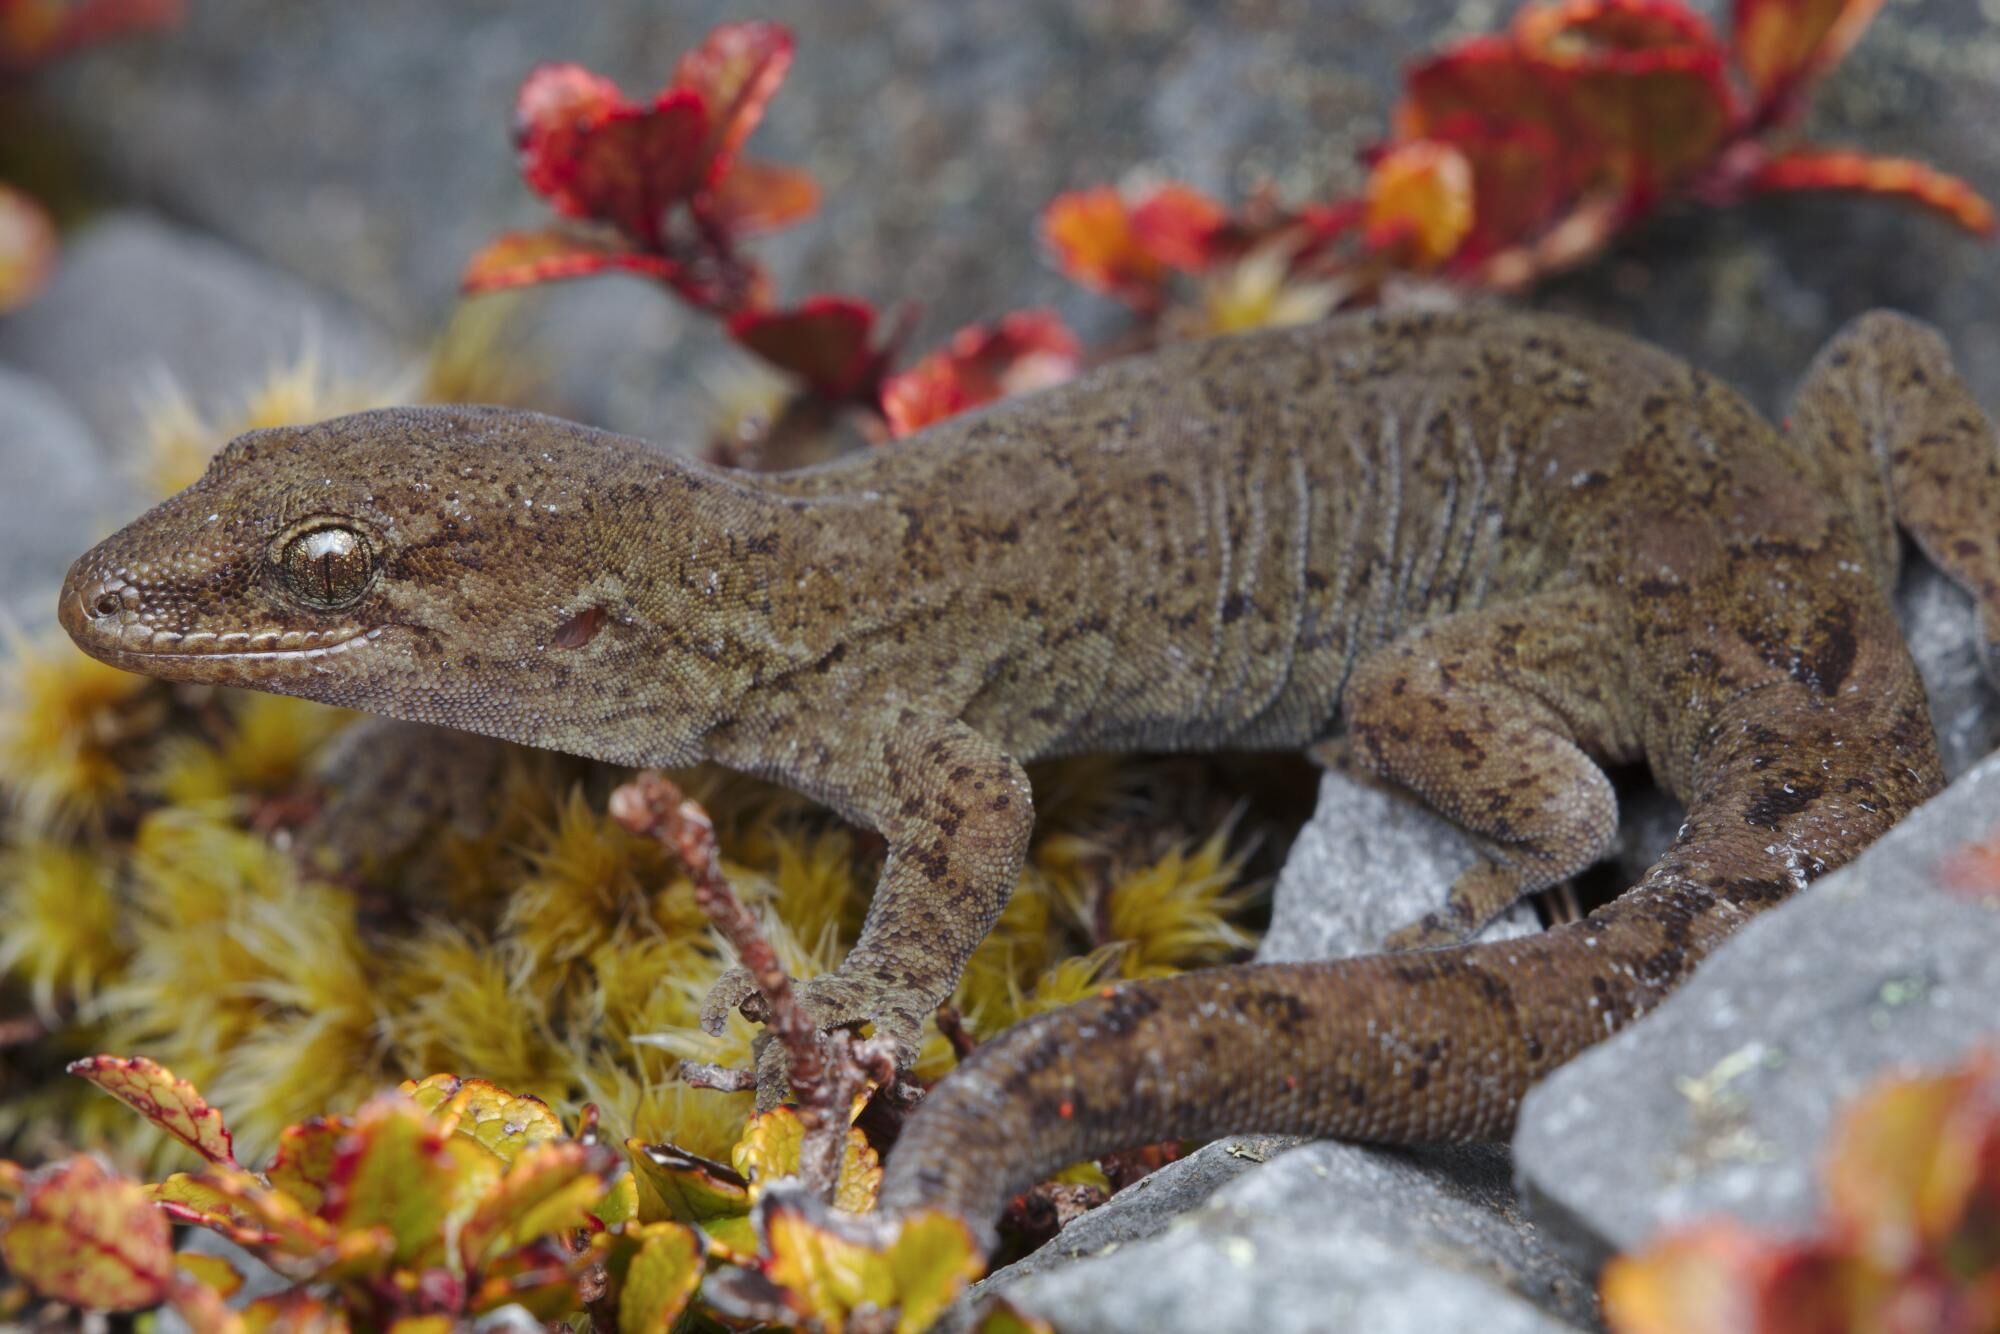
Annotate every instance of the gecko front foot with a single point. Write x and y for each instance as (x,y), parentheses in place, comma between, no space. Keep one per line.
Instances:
(832,1000)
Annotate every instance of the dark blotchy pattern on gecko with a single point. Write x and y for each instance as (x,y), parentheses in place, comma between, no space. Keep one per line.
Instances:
(1502,550)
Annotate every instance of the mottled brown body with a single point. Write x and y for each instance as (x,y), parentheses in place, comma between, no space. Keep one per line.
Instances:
(1504,549)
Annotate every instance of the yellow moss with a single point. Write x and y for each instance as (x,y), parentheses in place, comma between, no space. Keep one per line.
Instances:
(802,959)
(814,887)
(62,923)
(1070,981)
(588,875)
(266,751)
(292,1066)
(1257,293)
(452,1006)
(1175,912)
(228,947)
(1012,956)
(664,1110)
(479,355)
(180,440)
(65,728)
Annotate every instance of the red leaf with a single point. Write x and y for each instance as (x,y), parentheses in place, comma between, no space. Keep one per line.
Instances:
(162,1097)
(558,107)
(1486,79)
(755,196)
(1975,868)
(1842,169)
(1179,226)
(825,342)
(635,165)
(1783,45)
(592,154)
(734,73)
(1646,82)
(521,259)
(1025,351)
(1611,34)
(1517,182)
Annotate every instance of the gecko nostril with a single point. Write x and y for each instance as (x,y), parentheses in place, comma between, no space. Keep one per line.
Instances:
(108,604)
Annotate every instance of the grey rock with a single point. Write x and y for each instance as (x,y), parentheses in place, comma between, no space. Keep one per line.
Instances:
(1940,624)
(1328,1236)
(65,494)
(1144,1208)
(137,305)
(1371,860)
(1719,1101)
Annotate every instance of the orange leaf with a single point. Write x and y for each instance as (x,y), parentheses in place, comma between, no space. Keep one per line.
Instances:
(83,1236)
(755,196)
(1179,226)
(1095,244)
(35,31)
(27,248)
(1906,1160)
(521,259)
(733,74)
(1024,351)
(1420,198)
(163,1098)
(826,342)
(1784,44)
(1702,1280)
(1903,178)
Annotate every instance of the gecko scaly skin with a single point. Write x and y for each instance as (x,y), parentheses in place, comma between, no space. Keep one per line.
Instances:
(1500,550)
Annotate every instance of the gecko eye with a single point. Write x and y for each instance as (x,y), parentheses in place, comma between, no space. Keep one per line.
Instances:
(327,568)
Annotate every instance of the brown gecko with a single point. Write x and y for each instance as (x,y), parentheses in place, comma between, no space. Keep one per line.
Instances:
(1503,550)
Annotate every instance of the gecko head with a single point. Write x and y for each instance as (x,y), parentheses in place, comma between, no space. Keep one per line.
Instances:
(436,564)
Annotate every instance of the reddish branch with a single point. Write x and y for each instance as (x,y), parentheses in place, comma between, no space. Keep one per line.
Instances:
(825,1076)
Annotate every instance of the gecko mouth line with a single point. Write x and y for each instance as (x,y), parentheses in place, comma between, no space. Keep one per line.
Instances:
(358,639)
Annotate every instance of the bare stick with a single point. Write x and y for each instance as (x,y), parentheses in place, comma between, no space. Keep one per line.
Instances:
(652,806)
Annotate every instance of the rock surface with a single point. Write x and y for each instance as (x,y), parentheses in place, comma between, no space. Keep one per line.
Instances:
(1370,861)
(1326,1236)
(139,306)
(1940,624)
(1718,1102)
(72,495)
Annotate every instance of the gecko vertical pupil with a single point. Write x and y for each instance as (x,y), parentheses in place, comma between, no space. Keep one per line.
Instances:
(327,567)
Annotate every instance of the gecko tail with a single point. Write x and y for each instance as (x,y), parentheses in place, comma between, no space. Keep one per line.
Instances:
(1427,1047)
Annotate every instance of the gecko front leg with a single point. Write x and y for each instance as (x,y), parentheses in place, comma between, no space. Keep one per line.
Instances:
(956,812)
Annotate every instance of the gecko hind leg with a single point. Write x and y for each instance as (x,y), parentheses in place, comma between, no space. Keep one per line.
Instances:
(1498,719)
(1883,403)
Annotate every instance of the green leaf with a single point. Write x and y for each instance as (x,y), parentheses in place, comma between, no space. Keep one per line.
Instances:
(660,1279)
(86,1237)
(163,1098)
